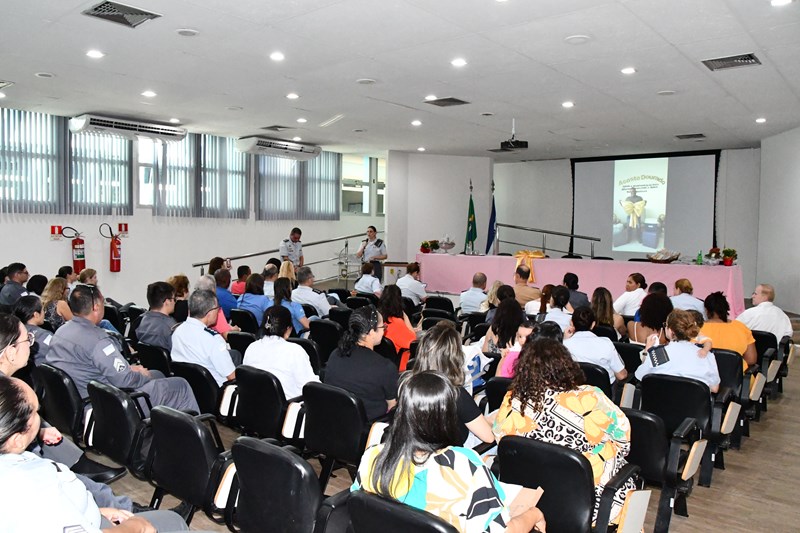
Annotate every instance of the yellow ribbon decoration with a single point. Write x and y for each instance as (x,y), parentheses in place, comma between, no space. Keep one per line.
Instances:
(634,210)
(526,257)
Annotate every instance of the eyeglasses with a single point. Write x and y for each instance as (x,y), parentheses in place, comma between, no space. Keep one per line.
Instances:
(382,326)
(29,339)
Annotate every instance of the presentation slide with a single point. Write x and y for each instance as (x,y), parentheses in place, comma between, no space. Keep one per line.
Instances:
(639,205)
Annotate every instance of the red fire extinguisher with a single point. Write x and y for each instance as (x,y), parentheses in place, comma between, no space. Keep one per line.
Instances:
(115,249)
(78,248)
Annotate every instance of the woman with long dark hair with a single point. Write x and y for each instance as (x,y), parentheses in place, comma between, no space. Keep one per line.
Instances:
(421,465)
(603,307)
(356,367)
(504,327)
(398,327)
(283,296)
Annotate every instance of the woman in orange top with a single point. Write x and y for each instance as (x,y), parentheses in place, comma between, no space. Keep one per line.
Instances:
(398,327)
(725,334)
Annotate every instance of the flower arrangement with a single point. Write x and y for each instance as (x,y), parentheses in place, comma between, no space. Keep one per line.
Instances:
(427,246)
(728,256)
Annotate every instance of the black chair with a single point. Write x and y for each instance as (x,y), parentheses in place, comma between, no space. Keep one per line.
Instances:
(370,513)
(240,340)
(312,349)
(131,337)
(571,256)
(639,259)
(340,315)
(205,388)
(336,427)
(309,310)
(369,296)
(603,258)
(343,294)
(607,332)
(181,312)
(120,430)
(440,302)
(113,316)
(409,307)
(567,479)
(154,358)
(627,318)
(438,313)
(495,390)
(478,332)
(62,403)
(326,333)
(261,402)
(767,350)
(386,349)
(290,502)
(597,376)
(246,321)
(354,302)
(428,323)
(630,355)
(472,320)
(185,459)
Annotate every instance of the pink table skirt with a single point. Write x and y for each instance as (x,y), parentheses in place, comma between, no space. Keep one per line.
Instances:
(453,274)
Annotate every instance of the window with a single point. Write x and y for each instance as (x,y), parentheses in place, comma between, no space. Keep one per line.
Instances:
(224,186)
(146,157)
(100,175)
(363,185)
(175,171)
(380,186)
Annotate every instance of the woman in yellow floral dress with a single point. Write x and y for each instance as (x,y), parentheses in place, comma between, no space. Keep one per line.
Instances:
(548,402)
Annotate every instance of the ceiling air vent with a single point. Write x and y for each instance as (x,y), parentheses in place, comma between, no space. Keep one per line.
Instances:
(690,136)
(724,63)
(446,102)
(120,13)
(276,127)
(4,84)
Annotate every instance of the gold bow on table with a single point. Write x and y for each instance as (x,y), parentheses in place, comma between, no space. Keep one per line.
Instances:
(526,257)
(635,210)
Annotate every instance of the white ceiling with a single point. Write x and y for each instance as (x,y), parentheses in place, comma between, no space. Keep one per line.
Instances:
(519,65)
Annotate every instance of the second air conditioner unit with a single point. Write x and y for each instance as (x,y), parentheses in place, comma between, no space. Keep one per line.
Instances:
(129,129)
(276,148)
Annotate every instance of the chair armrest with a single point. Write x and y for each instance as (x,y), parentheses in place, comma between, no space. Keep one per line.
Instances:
(627,472)
(332,514)
(135,395)
(685,429)
(679,436)
(484,447)
(766,358)
(212,424)
(724,395)
(297,399)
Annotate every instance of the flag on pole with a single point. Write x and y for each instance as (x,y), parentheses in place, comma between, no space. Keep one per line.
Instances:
(472,227)
(490,234)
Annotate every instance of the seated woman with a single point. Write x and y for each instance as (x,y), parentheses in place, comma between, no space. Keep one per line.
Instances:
(652,315)
(501,335)
(398,327)
(728,334)
(558,312)
(603,307)
(356,367)
(54,303)
(180,283)
(527,331)
(683,298)
(273,353)
(283,296)
(88,276)
(253,299)
(287,271)
(367,283)
(630,300)
(440,350)
(421,465)
(491,300)
(29,311)
(686,359)
(504,292)
(548,402)
(542,305)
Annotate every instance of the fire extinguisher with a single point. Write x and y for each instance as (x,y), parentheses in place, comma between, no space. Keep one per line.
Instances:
(78,249)
(115,248)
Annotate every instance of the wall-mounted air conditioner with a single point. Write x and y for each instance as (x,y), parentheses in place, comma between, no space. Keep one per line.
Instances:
(124,128)
(276,148)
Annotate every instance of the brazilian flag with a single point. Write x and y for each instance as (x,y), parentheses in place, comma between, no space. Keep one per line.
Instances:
(472,227)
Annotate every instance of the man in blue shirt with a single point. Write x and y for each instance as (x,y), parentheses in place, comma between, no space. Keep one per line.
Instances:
(227,301)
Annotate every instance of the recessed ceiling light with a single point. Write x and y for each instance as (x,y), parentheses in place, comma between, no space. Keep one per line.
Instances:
(175,121)
(292,96)
(149,94)
(567,104)
(487,114)
(779,3)
(366,81)
(45,75)
(297,139)
(359,130)
(577,39)
(186,32)
(2,94)
(761,120)
(628,70)
(277,56)
(430,97)
(302,120)
(459,62)
(95,54)
(421,149)
(666,93)
(416,123)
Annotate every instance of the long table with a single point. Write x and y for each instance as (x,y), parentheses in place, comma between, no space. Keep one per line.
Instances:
(453,274)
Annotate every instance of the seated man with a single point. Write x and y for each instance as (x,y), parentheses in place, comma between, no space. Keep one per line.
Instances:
(471,299)
(270,275)
(242,273)
(411,287)
(367,283)
(586,347)
(305,293)
(156,325)
(227,301)
(523,292)
(195,342)
(765,315)
(86,352)
(14,288)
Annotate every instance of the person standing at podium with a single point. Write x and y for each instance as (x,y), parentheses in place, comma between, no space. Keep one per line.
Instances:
(373,250)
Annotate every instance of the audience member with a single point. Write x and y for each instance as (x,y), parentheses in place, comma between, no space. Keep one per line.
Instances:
(683,298)
(524,293)
(305,293)
(156,325)
(472,298)
(653,316)
(421,464)
(29,311)
(254,299)
(87,352)
(283,296)
(270,274)
(226,300)
(14,288)
(491,297)
(586,347)
(36,284)
(180,283)
(88,276)
(68,274)
(238,286)
(273,353)
(654,288)
(410,285)
(542,304)
(54,303)
(504,327)
(765,315)
(505,369)
(726,334)
(630,300)
(576,298)
(208,283)
(558,312)
(287,271)
(398,327)
(548,402)
(355,367)
(373,250)
(291,249)
(685,358)
(603,307)
(195,342)
(367,283)
(215,264)
(503,293)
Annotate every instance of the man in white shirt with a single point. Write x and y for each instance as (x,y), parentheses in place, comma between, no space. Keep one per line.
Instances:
(765,315)
(586,347)
(305,293)
(472,299)
(410,286)
(291,249)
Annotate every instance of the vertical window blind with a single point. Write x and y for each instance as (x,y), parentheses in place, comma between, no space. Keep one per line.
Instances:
(100,175)
(223,179)
(176,175)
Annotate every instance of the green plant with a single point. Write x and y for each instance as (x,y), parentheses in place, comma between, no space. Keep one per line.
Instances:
(434,245)
(425,244)
(729,252)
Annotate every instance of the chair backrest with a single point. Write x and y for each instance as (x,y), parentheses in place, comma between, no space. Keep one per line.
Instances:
(440,302)
(729,365)
(473,319)
(132,337)
(112,315)
(409,307)
(343,294)
(369,296)
(428,323)
(387,349)
(496,389)
(245,320)
(630,355)
(340,315)
(326,333)
(116,421)
(309,310)
(764,341)
(597,376)
(607,332)
(673,399)
(278,490)
(62,404)
(181,312)
(437,313)
(564,474)
(203,384)
(479,330)
(335,422)
(649,444)
(603,258)
(313,351)
(369,512)
(240,340)
(183,453)
(154,358)
(261,402)
(354,302)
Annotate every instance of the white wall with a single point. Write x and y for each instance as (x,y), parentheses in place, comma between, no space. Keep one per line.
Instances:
(778,232)
(428,198)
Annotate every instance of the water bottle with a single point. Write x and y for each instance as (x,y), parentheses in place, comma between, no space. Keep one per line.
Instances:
(700,257)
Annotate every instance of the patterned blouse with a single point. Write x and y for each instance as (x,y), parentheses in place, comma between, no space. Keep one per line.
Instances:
(453,484)
(51,315)
(583,419)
